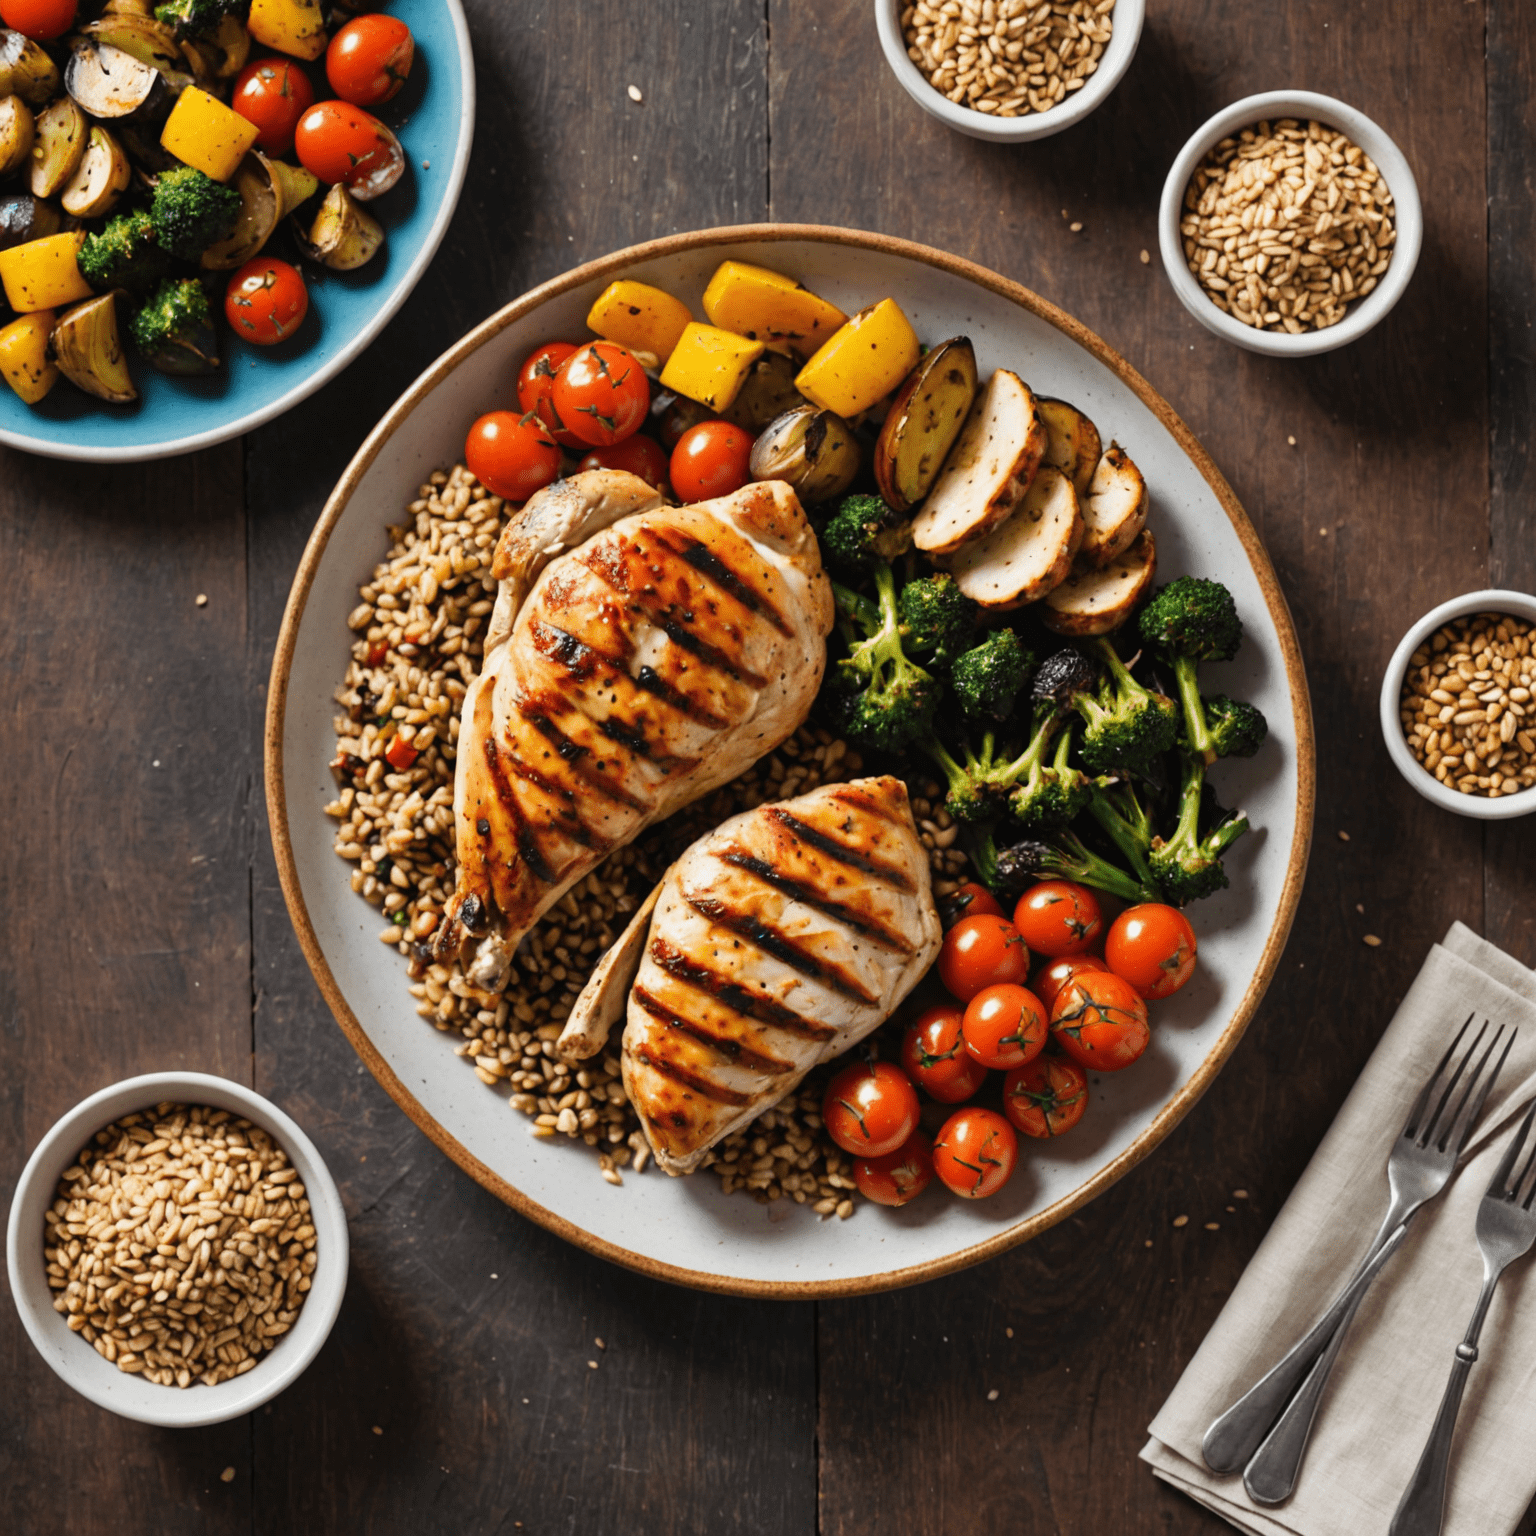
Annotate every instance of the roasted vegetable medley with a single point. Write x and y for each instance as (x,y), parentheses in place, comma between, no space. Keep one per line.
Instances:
(149,155)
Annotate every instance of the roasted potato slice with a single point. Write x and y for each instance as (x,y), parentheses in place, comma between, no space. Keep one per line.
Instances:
(1074,444)
(1094,602)
(766,393)
(99,180)
(990,468)
(1115,508)
(17,131)
(26,69)
(923,422)
(62,134)
(1030,553)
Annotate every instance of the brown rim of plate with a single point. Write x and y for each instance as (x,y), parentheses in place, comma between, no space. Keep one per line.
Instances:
(1171,1113)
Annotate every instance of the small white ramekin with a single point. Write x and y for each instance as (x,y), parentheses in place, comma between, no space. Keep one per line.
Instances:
(1127,16)
(1356,126)
(1520,605)
(75,1360)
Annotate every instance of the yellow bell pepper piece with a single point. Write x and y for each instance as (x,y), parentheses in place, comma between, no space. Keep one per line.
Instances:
(769,307)
(291,26)
(639,317)
(709,365)
(43,274)
(24,361)
(863,362)
(205,134)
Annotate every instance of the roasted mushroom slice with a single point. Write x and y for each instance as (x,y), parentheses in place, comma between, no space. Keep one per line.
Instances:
(148,40)
(766,393)
(106,81)
(62,133)
(812,450)
(24,217)
(26,70)
(925,418)
(18,128)
(89,351)
(343,235)
(268,190)
(99,180)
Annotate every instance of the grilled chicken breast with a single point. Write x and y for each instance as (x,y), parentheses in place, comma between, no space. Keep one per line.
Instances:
(639,656)
(778,940)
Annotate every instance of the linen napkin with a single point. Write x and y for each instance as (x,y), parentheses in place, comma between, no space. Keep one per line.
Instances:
(1385,1390)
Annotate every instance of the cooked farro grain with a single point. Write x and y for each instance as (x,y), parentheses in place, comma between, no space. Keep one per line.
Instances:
(418,626)
(180,1244)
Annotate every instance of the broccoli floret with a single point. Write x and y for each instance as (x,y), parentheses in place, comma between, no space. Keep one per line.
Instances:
(971,795)
(192,211)
(1237,729)
(1037,791)
(198,18)
(174,328)
(937,619)
(1064,857)
(1050,794)
(875,694)
(1127,724)
(989,677)
(1114,804)
(1189,621)
(864,534)
(1187,865)
(124,255)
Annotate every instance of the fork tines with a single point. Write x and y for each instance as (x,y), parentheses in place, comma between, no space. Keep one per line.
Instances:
(1451,1131)
(1522,1189)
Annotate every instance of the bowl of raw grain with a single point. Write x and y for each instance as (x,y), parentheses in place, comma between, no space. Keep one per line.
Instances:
(1290,224)
(1009,70)
(1458,705)
(177,1249)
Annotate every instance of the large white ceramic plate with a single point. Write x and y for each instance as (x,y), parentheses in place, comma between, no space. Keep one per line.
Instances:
(685,1229)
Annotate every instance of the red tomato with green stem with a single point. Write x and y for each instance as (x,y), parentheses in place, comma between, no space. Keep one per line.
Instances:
(1005,1026)
(41,20)
(1100,1021)
(1045,1097)
(1153,948)
(601,393)
(975,1153)
(711,459)
(510,455)
(970,900)
(1057,917)
(273,94)
(979,952)
(638,455)
(870,1108)
(266,301)
(536,381)
(934,1054)
(1051,978)
(898,1176)
(369,59)
(339,142)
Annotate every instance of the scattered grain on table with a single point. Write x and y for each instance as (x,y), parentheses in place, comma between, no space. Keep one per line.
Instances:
(1373,941)
(1181,1221)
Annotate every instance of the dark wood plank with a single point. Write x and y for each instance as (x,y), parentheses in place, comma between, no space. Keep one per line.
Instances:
(1391,458)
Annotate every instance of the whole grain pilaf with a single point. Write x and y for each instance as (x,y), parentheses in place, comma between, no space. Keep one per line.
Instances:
(419,639)
(180,1244)
(1466,707)
(1286,224)
(1007,58)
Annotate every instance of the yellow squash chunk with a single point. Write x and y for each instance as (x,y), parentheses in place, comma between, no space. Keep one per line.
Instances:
(24,361)
(639,317)
(863,362)
(205,134)
(769,307)
(709,365)
(42,274)
(291,26)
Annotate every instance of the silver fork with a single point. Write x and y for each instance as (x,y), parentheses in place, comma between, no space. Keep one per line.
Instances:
(1506,1229)
(1419,1167)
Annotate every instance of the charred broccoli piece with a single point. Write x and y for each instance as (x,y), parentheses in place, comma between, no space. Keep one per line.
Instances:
(1048,793)
(199,18)
(1127,724)
(989,677)
(1038,788)
(864,534)
(1063,856)
(191,211)
(1237,729)
(937,619)
(1189,621)
(124,255)
(174,328)
(1187,865)
(1117,808)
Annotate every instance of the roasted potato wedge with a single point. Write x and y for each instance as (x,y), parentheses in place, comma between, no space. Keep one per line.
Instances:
(99,180)
(1115,508)
(89,350)
(1096,601)
(811,450)
(924,420)
(18,129)
(990,468)
(1030,553)
(62,134)
(1073,442)
(26,70)
(766,393)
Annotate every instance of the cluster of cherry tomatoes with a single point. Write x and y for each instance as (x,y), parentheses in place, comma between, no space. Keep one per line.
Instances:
(1084,1010)
(592,399)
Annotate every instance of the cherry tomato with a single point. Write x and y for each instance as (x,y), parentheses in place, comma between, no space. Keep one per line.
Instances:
(975,1152)
(1005,1026)
(1153,948)
(601,394)
(1050,979)
(41,20)
(536,380)
(340,142)
(899,1176)
(935,1056)
(369,59)
(639,455)
(274,94)
(979,952)
(870,1108)
(970,900)
(1100,1021)
(711,459)
(266,301)
(511,455)
(1046,1097)
(1057,917)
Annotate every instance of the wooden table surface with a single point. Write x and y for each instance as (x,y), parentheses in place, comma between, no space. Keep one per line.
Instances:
(148,931)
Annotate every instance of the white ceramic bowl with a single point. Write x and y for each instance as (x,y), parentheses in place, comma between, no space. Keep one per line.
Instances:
(71,1357)
(1128,16)
(1356,126)
(1520,605)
